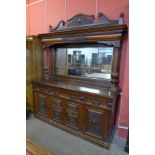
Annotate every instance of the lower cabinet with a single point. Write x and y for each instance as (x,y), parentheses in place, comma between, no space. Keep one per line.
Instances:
(91,122)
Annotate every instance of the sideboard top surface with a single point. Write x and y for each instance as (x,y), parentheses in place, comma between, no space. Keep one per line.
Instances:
(95,90)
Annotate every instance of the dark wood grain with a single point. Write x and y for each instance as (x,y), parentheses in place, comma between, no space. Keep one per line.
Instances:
(91,112)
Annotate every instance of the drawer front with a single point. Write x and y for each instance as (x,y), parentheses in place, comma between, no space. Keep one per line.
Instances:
(41,89)
(76,96)
(57,103)
(72,107)
(98,101)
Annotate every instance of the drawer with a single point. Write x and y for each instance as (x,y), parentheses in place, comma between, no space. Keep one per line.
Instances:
(41,89)
(73,107)
(54,92)
(57,103)
(76,96)
(98,101)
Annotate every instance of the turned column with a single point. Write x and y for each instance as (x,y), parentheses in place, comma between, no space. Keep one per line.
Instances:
(45,65)
(115,68)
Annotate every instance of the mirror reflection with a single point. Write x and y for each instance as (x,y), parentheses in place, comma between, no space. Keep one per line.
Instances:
(91,62)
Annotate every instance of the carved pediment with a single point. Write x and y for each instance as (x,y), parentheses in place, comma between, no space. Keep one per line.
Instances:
(80,19)
(83,20)
(103,19)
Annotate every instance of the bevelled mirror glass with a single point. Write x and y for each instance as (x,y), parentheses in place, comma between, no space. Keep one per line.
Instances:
(91,62)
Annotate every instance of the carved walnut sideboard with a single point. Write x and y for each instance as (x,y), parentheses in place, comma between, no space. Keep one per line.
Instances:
(80,105)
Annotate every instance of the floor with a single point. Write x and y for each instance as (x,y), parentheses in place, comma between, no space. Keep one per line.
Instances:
(63,143)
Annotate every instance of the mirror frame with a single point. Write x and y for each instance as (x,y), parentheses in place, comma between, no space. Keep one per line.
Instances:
(83,45)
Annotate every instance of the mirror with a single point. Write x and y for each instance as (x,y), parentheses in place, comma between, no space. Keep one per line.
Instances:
(91,62)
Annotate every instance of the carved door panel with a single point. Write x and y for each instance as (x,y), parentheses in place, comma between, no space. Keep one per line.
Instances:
(57,109)
(42,104)
(72,115)
(94,122)
(72,120)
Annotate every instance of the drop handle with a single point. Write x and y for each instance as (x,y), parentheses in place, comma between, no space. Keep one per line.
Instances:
(82,99)
(72,97)
(55,93)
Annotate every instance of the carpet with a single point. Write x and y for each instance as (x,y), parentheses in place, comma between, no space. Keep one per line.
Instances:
(35,149)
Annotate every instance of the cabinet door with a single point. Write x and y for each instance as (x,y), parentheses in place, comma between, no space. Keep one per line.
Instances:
(94,122)
(73,115)
(57,109)
(41,104)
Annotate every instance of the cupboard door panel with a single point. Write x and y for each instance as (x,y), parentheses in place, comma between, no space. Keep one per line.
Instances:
(42,104)
(57,116)
(72,121)
(57,110)
(73,114)
(94,122)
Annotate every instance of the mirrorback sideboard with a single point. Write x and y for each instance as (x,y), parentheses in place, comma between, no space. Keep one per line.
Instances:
(69,96)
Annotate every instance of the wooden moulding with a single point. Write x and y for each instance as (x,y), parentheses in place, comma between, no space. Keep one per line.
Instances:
(108,37)
(85,30)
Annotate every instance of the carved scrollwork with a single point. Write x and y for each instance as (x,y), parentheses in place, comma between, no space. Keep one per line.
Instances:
(57,116)
(87,20)
(72,120)
(56,103)
(80,19)
(103,19)
(72,107)
(111,43)
(60,25)
(94,124)
(42,104)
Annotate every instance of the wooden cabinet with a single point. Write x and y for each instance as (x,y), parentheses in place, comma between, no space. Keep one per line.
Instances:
(79,89)
(34,63)
(90,118)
